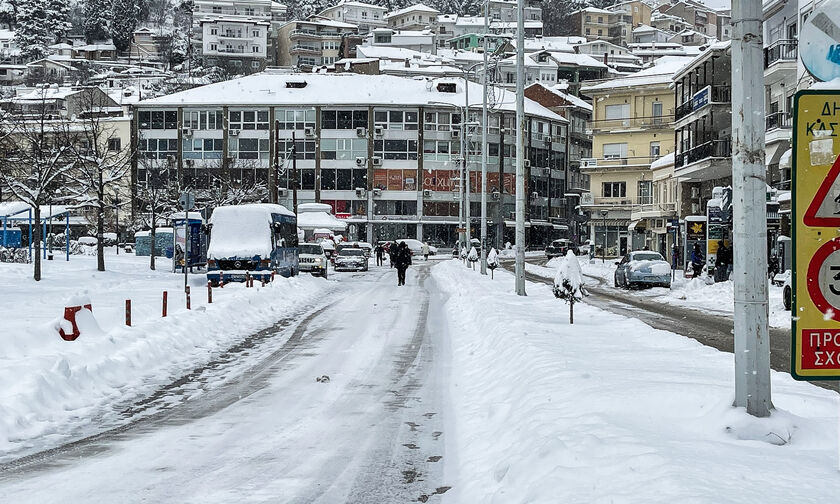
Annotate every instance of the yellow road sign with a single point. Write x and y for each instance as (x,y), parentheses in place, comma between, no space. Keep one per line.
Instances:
(815,328)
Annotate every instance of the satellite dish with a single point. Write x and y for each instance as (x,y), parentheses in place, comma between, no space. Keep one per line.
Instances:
(819,42)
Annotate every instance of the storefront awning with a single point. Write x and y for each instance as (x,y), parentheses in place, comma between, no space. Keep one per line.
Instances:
(561,227)
(633,224)
(773,154)
(785,160)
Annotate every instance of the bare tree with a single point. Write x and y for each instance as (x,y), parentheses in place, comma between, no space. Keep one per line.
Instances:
(226,185)
(157,194)
(101,160)
(35,158)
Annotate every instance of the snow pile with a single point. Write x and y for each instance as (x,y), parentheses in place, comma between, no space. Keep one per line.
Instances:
(611,410)
(55,389)
(473,255)
(242,230)
(652,267)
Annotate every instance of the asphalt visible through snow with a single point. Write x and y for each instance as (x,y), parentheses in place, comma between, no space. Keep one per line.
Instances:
(709,329)
(344,402)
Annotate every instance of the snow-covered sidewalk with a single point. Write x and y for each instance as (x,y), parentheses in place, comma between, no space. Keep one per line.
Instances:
(717,298)
(53,387)
(611,410)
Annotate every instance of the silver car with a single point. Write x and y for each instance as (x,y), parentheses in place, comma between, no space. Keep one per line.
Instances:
(311,258)
(642,268)
(351,259)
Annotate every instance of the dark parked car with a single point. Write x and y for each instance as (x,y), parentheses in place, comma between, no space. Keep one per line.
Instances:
(643,268)
(558,248)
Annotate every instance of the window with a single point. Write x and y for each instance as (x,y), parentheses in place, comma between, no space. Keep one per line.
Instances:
(441,150)
(396,119)
(214,47)
(248,148)
(441,121)
(158,119)
(154,148)
(255,33)
(615,151)
(395,149)
(343,148)
(295,119)
(203,119)
(614,189)
(205,148)
(214,31)
(621,111)
(600,32)
(588,19)
(344,119)
(657,112)
(217,10)
(645,192)
(249,119)
(394,207)
(114,144)
(600,20)
(343,179)
(654,150)
(255,49)
(304,149)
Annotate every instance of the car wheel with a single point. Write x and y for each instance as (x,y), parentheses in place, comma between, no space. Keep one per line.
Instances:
(787,297)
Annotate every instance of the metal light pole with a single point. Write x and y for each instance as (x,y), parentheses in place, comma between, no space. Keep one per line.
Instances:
(117,211)
(752,344)
(465,156)
(484,147)
(520,148)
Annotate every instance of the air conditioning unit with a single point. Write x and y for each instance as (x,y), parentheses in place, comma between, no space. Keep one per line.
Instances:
(527,163)
(496,195)
(309,132)
(377,191)
(546,171)
(378,131)
(376,160)
(695,208)
(588,162)
(282,192)
(456,133)
(190,163)
(360,161)
(361,132)
(695,192)
(234,132)
(186,131)
(361,192)
(427,193)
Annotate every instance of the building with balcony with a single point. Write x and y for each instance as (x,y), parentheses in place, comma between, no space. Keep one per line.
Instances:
(619,58)
(262,10)
(383,151)
(703,126)
(312,42)
(552,68)
(240,44)
(594,24)
(780,59)
(711,22)
(632,126)
(415,40)
(416,17)
(366,16)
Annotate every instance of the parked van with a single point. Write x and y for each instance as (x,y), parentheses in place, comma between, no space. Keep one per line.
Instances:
(255,239)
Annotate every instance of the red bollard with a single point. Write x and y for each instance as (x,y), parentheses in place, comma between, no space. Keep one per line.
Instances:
(247,279)
(70,316)
(164,303)
(209,293)
(188,296)
(272,276)
(128,312)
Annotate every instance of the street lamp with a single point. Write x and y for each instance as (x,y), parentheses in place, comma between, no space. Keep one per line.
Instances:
(604,250)
(117,210)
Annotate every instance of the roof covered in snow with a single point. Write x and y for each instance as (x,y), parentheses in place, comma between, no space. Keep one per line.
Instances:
(666,160)
(414,8)
(267,89)
(661,73)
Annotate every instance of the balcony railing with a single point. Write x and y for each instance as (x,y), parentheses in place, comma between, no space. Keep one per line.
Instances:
(780,50)
(301,49)
(777,120)
(712,149)
(720,93)
(619,162)
(653,122)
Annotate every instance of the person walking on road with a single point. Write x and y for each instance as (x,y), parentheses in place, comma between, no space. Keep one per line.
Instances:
(724,259)
(697,260)
(392,252)
(380,254)
(401,260)
(425,251)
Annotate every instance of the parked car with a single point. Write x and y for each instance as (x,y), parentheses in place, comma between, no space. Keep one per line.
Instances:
(351,258)
(584,248)
(783,279)
(312,259)
(416,247)
(642,268)
(557,248)
(367,248)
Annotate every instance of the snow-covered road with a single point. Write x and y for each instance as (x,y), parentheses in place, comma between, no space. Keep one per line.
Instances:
(373,433)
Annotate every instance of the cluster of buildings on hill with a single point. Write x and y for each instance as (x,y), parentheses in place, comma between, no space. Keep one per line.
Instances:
(628,118)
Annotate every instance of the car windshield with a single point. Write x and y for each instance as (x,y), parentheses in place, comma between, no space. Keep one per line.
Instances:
(311,248)
(649,256)
(352,252)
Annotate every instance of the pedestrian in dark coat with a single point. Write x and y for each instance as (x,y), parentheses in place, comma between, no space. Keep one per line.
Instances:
(697,260)
(392,252)
(380,254)
(722,262)
(402,261)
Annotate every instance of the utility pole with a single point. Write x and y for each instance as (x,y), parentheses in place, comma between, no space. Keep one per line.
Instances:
(752,345)
(484,146)
(294,174)
(274,194)
(465,154)
(520,148)
(461,214)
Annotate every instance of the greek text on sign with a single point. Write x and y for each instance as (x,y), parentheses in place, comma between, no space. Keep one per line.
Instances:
(820,349)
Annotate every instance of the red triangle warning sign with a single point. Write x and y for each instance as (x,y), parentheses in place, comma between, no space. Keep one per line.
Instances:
(824,210)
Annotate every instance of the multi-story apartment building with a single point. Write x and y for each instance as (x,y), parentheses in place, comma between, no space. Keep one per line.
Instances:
(710,22)
(265,16)
(263,10)
(505,11)
(366,16)
(312,42)
(236,42)
(632,126)
(383,151)
(445,28)
(550,68)
(594,24)
(420,41)
(619,58)
(416,17)
(780,56)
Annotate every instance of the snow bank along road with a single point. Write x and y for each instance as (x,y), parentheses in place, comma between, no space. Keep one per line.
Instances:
(711,329)
(342,405)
